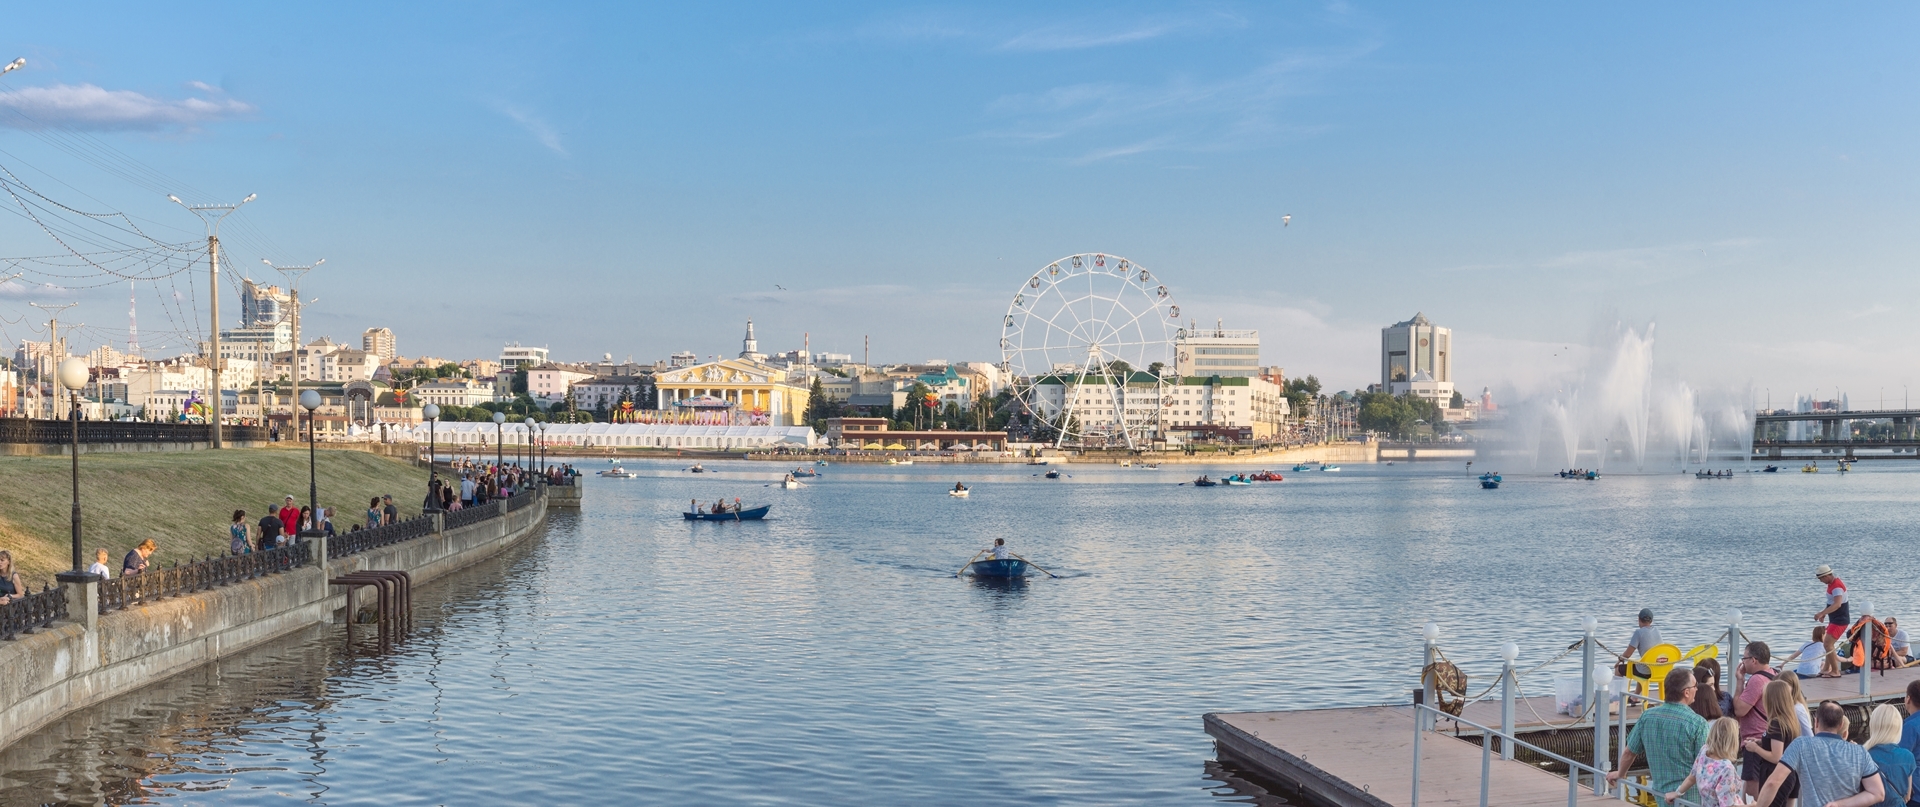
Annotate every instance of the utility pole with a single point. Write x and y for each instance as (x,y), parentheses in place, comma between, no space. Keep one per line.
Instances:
(56,349)
(293,274)
(211,216)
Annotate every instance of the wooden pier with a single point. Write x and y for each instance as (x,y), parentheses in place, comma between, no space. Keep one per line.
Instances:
(1363,756)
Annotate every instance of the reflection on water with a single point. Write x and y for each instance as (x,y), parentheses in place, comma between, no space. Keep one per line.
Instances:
(829,656)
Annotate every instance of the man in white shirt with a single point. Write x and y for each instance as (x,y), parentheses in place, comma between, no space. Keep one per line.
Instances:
(999,551)
(1902,646)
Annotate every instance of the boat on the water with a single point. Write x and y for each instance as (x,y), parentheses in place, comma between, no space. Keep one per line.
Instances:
(1330,468)
(960,494)
(1152,466)
(1771,469)
(698,469)
(1489,484)
(1267,476)
(898,461)
(1051,474)
(998,567)
(1809,468)
(732,514)
(618,472)
(804,473)
(1302,467)
(1204,482)
(790,483)
(1728,474)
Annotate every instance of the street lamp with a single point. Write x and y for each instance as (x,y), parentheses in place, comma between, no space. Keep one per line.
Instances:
(543,448)
(499,460)
(310,400)
(73,375)
(530,424)
(432,413)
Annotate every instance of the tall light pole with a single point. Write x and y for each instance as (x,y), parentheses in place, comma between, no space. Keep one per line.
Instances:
(499,459)
(293,274)
(530,433)
(211,215)
(56,347)
(432,413)
(73,376)
(310,400)
(543,449)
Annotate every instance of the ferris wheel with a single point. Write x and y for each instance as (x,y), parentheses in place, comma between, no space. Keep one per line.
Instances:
(1077,342)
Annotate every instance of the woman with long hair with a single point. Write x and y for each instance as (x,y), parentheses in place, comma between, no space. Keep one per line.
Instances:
(10,585)
(1800,712)
(239,534)
(1782,729)
(1706,696)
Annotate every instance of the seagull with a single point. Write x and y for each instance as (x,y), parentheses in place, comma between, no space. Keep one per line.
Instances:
(780,287)
(1286,218)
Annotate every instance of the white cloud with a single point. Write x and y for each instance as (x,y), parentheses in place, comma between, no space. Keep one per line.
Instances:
(536,126)
(1081,35)
(86,106)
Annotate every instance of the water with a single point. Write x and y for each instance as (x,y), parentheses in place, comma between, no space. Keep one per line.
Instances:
(828,655)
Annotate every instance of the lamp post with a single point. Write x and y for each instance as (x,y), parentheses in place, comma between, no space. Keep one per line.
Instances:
(310,400)
(432,413)
(543,449)
(499,460)
(530,423)
(73,375)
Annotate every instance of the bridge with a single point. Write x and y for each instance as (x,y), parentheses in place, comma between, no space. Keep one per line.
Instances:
(1835,439)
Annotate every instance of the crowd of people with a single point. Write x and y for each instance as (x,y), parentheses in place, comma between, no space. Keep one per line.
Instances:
(481,483)
(1767,746)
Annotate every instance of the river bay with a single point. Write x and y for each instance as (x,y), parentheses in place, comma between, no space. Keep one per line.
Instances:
(828,655)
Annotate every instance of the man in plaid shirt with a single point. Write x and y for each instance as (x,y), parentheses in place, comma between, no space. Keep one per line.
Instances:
(1669,736)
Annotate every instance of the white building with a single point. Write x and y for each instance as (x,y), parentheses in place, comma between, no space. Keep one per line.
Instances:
(514,356)
(342,366)
(1253,407)
(607,390)
(475,437)
(1228,354)
(263,306)
(1238,408)
(379,342)
(452,392)
(258,345)
(1416,357)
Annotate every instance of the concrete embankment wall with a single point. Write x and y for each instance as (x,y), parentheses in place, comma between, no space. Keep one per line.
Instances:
(92,658)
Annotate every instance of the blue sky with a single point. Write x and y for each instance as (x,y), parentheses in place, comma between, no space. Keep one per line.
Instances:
(635,180)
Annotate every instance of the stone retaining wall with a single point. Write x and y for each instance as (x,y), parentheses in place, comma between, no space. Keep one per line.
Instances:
(94,657)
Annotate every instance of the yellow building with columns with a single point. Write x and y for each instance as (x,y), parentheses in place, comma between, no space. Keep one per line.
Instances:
(757,392)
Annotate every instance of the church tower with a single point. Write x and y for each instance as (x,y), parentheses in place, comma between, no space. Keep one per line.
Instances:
(750,347)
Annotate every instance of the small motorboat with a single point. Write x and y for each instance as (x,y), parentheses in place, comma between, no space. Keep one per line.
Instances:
(1491,477)
(618,472)
(1267,476)
(803,473)
(819,462)
(1771,469)
(1204,482)
(1236,482)
(1302,467)
(998,567)
(734,514)
(1330,468)
(960,493)
(1489,484)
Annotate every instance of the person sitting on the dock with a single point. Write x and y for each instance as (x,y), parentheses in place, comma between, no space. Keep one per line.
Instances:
(1902,645)
(1837,617)
(1810,654)
(999,550)
(1668,736)
(1833,772)
(1643,637)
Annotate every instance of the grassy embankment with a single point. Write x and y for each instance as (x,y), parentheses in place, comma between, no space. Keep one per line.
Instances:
(183,500)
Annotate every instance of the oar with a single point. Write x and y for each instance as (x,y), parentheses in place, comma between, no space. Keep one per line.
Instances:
(976,556)
(1036,566)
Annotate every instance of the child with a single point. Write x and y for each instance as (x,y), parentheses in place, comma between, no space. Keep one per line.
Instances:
(1713,769)
(99,566)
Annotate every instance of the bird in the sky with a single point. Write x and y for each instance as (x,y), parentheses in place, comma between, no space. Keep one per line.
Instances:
(780,287)
(1286,218)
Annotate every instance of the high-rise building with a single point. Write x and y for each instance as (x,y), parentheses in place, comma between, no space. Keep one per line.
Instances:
(513,357)
(379,342)
(1228,354)
(1416,357)
(262,306)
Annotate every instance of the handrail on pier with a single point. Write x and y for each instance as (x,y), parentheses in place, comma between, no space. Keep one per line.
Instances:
(1509,741)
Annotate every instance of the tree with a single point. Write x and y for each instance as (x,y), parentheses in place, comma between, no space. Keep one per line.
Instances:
(1457,401)
(1119,368)
(520,380)
(1158,369)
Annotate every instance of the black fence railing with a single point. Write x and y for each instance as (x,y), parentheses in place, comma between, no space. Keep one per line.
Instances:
(521,499)
(353,543)
(175,580)
(472,515)
(56,432)
(31,611)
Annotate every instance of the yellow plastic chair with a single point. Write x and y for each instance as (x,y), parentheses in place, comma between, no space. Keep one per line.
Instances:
(1647,673)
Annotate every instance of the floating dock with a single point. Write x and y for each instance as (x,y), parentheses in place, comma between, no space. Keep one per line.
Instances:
(1363,756)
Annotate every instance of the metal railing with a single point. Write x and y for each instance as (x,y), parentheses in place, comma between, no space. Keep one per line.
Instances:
(1627,788)
(30,611)
(521,499)
(60,432)
(468,516)
(357,541)
(176,580)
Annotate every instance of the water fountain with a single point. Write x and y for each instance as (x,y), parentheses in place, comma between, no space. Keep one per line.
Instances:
(1617,409)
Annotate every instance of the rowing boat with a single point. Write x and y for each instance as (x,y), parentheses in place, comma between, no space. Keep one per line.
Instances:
(1004,567)
(749,514)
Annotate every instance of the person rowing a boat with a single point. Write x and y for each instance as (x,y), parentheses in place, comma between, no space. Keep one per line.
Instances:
(959,487)
(999,550)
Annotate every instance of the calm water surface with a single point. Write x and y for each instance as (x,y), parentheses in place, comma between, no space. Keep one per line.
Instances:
(828,655)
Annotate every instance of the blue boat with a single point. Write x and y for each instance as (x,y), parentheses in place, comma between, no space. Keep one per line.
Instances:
(1490,484)
(1009,567)
(748,514)
(804,473)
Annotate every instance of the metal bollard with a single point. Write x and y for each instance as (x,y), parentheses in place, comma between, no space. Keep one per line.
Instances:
(1432,636)
(1601,757)
(1419,728)
(1620,689)
(1508,651)
(1595,708)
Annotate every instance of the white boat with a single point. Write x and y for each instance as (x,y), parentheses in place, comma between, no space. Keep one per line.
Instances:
(894,461)
(790,483)
(618,472)
(959,494)
(1330,468)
